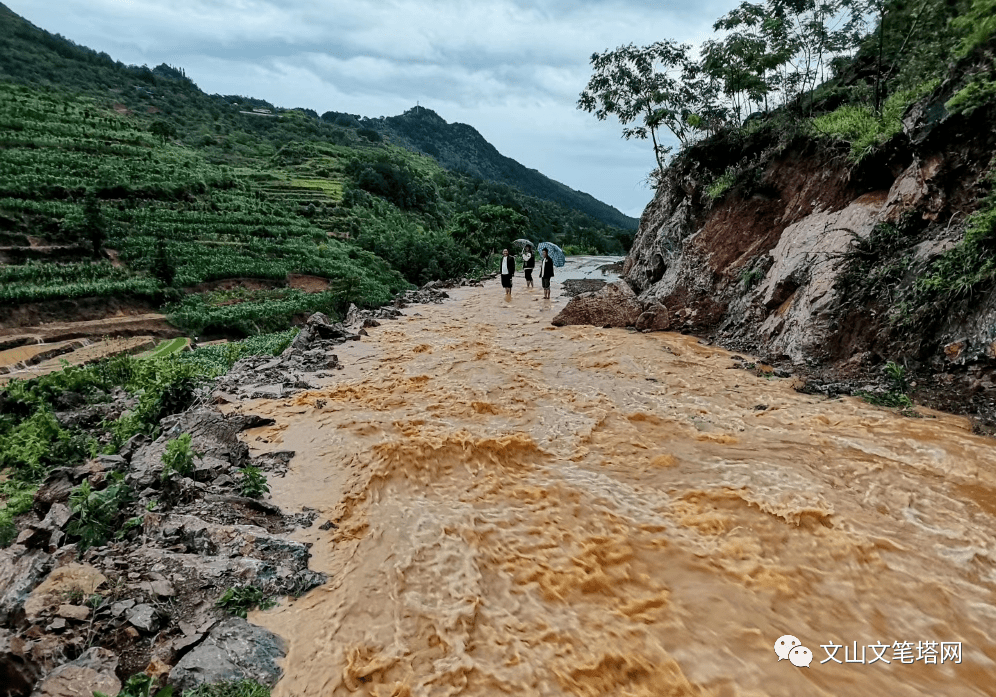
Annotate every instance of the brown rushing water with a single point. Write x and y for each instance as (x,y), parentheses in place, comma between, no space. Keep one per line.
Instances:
(529,510)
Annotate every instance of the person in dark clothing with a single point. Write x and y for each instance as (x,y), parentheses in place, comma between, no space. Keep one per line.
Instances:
(528,262)
(546,272)
(507,270)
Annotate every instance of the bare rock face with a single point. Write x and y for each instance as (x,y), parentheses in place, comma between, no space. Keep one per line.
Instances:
(615,305)
(234,650)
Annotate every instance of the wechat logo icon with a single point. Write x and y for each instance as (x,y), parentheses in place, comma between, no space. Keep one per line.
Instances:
(791,648)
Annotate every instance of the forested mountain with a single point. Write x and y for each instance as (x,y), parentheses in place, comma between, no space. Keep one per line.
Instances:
(460,148)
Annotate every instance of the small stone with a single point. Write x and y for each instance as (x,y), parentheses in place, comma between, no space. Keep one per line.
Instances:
(73,612)
(134,575)
(131,633)
(57,624)
(163,588)
(144,617)
(120,607)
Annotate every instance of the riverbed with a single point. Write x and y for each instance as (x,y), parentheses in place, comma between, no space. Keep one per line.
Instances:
(522,509)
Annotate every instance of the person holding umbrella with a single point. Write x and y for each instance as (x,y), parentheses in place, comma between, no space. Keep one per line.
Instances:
(507,269)
(528,263)
(546,272)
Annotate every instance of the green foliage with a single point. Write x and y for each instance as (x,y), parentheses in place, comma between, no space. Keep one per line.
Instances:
(864,129)
(15,498)
(896,375)
(178,457)
(257,312)
(960,272)
(252,482)
(165,348)
(978,23)
(139,685)
(239,600)
(237,688)
(396,181)
(722,184)
(979,91)
(488,229)
(212,361)
(644,85)
(95,513)
(750,277)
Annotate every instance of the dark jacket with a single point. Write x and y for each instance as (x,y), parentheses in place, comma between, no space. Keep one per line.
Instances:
(511,264)
(530,262)
(546,267)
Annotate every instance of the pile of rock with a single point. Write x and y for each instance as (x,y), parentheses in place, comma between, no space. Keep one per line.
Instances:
(149,598)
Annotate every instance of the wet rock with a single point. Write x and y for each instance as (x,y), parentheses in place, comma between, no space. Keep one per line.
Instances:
(94,671)
(143,617)
(233,650)
(275,391)
(615,305)
(20,571)
(655,318)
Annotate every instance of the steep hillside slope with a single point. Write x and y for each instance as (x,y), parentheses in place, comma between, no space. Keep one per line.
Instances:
(813,259)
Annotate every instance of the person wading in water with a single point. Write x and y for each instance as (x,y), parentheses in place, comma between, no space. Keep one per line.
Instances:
(546,272)
(528,262)
(507,269)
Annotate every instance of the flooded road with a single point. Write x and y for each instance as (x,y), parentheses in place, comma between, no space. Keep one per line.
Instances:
(530,510)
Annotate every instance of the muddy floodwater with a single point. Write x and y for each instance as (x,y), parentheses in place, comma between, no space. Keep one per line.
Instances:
(527,510)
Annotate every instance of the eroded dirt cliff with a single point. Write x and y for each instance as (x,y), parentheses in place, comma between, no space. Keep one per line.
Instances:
(812,259)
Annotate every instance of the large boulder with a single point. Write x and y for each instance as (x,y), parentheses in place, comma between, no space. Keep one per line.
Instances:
(654,318)
(614,305)
(233,650)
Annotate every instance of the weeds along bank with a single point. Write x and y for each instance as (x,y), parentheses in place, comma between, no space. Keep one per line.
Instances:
(844,241)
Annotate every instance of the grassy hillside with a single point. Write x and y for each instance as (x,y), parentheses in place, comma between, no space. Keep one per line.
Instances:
(129,182)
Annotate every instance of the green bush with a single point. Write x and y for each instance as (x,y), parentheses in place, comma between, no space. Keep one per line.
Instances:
(722,184)
(980,91)
(178,458)
(252,482)
(96,512)
(864,129)
(239,600)
(15,498)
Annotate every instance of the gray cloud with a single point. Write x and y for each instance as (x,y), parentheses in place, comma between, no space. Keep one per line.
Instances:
(511,69)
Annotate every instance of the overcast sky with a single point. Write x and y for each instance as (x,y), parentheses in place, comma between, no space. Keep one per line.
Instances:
(511,69)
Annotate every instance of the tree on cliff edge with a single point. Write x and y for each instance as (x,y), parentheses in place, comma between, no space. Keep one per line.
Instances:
(647,84)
